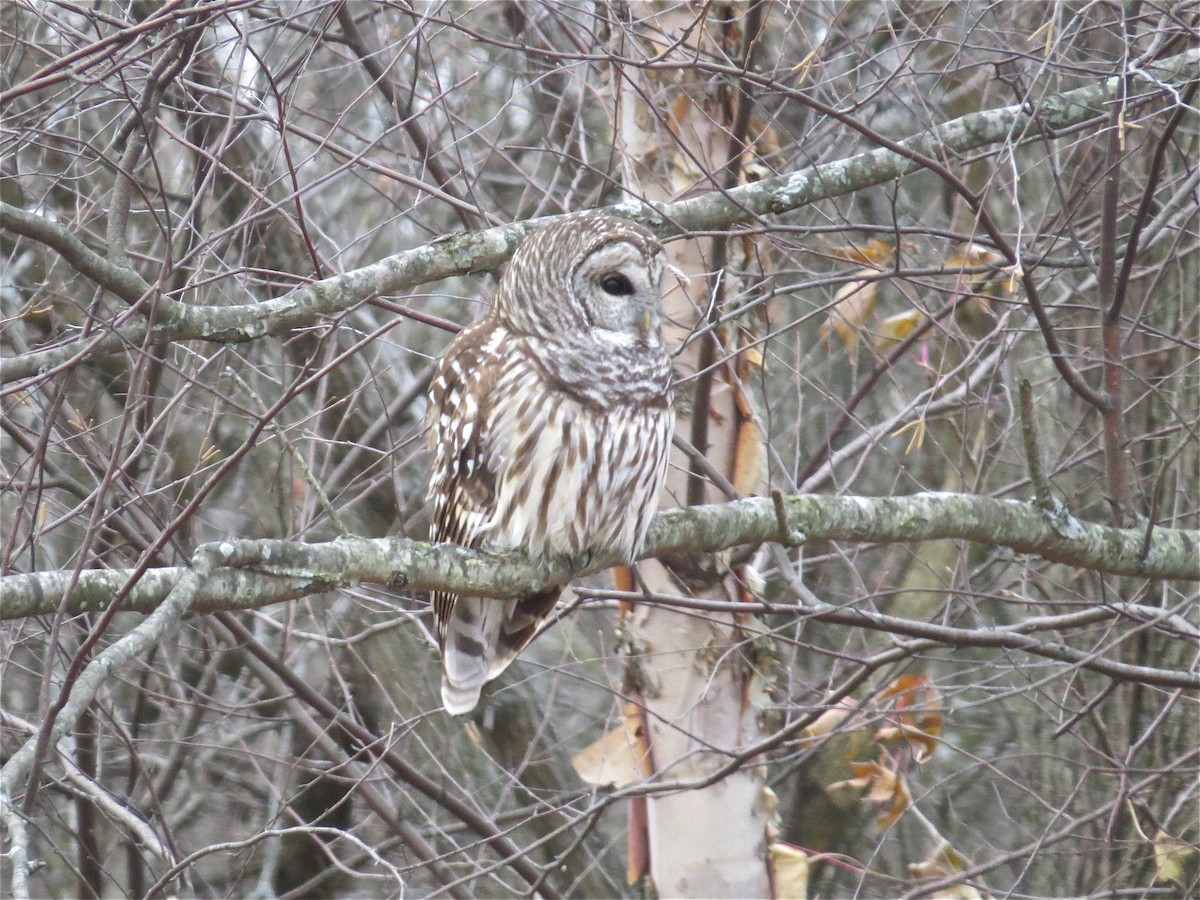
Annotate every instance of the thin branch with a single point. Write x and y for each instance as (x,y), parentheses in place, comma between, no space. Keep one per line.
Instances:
(466,211)
(328,835)
(73,65)
(117,279)
(268,668)
(975,201)
(710,343)
(1113,289)
(1033,448)
(1018,636)
(1110,302)
(364,739)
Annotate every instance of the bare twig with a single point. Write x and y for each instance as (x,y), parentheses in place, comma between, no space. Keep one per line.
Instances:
(83,692)
(719,280)
(467,212)
(364,740)
(1110,302)
(1033,449)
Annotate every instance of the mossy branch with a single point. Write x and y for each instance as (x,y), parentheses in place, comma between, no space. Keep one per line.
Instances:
(253,573)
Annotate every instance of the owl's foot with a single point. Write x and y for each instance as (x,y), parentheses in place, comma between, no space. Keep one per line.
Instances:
(582,560)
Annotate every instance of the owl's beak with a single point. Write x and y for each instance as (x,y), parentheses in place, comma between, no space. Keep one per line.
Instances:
(646,325)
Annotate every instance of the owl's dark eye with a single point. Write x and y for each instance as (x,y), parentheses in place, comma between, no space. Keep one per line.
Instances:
(617,285)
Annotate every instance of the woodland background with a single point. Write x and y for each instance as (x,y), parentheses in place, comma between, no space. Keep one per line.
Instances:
(1002,309)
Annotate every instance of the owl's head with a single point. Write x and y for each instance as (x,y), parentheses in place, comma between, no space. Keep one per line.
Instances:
(590,275)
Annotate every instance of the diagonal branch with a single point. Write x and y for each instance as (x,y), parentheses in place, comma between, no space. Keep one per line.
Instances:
(484,250)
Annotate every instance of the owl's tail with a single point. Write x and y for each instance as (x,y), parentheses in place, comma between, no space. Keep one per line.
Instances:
(482,638)
(464,659)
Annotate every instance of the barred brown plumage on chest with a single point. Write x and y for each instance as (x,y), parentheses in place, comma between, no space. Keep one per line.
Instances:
(550,424)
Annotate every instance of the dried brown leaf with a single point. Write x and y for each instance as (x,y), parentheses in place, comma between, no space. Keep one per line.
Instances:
(618,758)
(789,871)
(854,305)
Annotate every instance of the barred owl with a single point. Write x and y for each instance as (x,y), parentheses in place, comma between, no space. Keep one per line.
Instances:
(550,424)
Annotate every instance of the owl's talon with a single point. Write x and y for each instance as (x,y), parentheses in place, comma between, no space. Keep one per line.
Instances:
(580,561)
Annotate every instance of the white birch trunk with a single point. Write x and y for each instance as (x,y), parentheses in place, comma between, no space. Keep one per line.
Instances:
(692,677)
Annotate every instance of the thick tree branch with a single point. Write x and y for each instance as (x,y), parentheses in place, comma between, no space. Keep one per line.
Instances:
(114,277)
(484,250)
(254,573)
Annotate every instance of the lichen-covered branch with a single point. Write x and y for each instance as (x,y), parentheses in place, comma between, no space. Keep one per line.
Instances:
(484,250)
(255,573)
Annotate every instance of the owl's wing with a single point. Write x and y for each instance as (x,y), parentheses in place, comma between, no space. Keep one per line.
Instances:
(478,637)
(463,486)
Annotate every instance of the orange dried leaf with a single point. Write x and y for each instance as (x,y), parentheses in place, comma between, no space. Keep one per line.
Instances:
(876,777)
(827,722)
(903,683)
(883,785)
(766,139)
(618,758)
(968,256)
(750,360)
(886,788)
(900,801)
(864,775)
(677,112)
(919,718)
(875,253)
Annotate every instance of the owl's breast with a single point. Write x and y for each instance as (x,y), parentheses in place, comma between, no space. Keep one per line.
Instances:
(575,477)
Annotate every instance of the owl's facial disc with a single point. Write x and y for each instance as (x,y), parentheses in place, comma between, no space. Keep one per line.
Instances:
(617,288)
